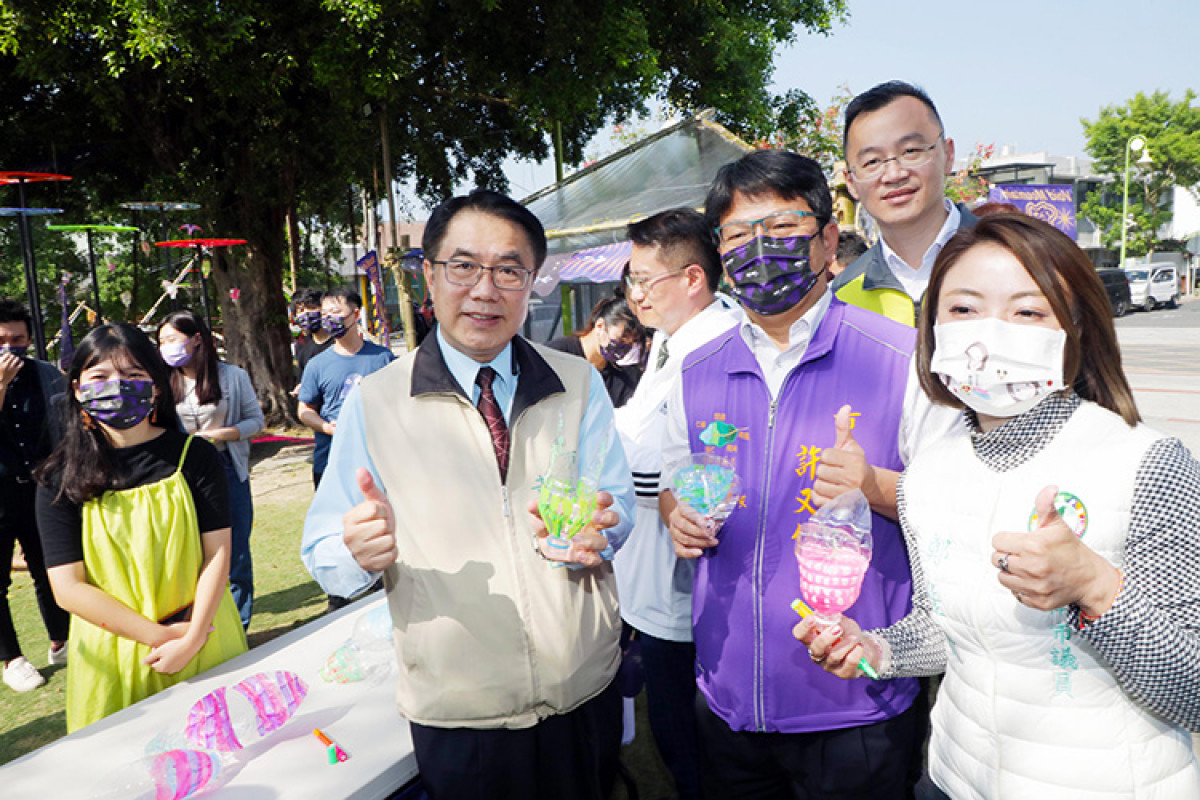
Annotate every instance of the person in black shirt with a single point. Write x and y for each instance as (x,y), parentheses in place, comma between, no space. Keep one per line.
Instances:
(134,518)
(611,335)
(313,339)
(26,388)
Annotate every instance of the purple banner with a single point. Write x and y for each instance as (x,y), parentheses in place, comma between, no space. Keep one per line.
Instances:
(1053,203)
(370,265)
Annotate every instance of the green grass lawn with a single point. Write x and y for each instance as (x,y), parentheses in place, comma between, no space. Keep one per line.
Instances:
(285,597)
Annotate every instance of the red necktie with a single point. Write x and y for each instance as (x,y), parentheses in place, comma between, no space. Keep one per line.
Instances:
(490,410)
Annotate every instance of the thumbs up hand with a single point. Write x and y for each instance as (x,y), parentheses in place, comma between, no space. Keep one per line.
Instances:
(1051,567)
(369,528)
(844,467)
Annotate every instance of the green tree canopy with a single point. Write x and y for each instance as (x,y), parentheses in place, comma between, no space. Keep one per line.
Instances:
(254,108)
(1172,134)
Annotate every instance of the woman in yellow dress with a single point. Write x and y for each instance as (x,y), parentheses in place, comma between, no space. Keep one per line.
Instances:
(136,515)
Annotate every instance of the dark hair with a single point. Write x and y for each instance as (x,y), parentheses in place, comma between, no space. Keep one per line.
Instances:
(684,236)
(346,293)
(850,246)
(307,296)
(1091,358)
(879,96)
(208,381)
(13,311)
(992,207)
(615,310)
(485,201)
(82,463)
(787,174)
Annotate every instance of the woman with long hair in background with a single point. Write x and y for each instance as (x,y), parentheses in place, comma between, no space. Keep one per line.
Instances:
(612,333)
(215,400)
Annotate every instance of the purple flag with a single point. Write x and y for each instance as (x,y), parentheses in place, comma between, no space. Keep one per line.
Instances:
(1053,203)
(370,265)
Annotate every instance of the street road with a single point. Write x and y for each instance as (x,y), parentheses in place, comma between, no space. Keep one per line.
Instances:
(1160,351)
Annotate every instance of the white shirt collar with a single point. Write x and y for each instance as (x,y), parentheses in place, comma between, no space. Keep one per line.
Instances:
(775,363)
(915,281)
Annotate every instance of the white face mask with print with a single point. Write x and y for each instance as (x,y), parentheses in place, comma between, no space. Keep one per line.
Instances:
(998,368)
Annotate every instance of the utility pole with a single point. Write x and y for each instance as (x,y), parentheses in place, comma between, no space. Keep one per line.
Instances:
(393,259)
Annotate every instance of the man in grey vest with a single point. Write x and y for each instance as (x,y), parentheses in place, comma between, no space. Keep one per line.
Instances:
(507,656)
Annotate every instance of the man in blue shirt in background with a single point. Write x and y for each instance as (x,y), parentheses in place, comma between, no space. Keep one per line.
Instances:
(331,375)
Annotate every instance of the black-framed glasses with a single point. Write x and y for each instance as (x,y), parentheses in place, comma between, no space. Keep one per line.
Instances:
(646,284)
(909,158)
(462,272)
(781,224)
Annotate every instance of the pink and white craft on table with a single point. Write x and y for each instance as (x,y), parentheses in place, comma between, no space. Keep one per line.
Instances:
(226,721)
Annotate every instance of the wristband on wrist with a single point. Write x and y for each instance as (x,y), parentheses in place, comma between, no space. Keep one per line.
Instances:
(1087,619)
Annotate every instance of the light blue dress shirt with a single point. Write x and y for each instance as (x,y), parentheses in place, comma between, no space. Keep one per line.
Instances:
(322,548)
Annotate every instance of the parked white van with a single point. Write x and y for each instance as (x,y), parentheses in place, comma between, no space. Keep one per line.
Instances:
(1153,285)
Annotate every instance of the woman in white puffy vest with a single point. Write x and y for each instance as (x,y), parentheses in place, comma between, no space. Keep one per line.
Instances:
(1055,541)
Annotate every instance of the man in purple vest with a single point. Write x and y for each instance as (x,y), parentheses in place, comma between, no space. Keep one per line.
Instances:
(772,393)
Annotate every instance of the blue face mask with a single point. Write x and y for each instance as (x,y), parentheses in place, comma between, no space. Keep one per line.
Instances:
(17,350)
(770,275)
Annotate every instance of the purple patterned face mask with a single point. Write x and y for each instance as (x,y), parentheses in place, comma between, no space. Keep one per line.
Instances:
(770,275)
(309,321)
(614,351)
(117,404)
(334,325)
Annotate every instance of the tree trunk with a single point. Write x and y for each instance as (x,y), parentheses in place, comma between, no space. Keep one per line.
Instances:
(256,330)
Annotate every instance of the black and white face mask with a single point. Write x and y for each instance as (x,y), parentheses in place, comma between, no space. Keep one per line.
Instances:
(770,275)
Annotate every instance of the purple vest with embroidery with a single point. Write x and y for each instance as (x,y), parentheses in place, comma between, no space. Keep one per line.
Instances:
(752,671)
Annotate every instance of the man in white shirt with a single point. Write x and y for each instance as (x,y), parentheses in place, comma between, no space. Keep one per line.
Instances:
(897,160)
(671,285)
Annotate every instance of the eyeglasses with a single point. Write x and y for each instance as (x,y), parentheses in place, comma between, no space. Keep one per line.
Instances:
(909,158)
(780,225)
(467,273)
(646,284)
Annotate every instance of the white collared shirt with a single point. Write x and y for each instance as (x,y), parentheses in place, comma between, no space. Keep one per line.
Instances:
(775,363)
(915,281)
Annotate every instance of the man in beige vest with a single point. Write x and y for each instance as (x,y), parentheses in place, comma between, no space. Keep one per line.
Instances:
(506,654)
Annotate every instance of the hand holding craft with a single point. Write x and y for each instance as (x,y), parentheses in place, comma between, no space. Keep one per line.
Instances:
(842,649)
(1050,567)
(586,546)
(689,533)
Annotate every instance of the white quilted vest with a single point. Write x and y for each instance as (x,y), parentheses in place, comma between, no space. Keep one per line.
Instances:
(1027,709)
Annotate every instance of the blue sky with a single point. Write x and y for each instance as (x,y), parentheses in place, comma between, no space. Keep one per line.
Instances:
(1019,73)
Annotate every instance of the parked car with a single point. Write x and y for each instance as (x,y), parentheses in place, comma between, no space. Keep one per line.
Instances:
(1153,285)
(1117,285)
